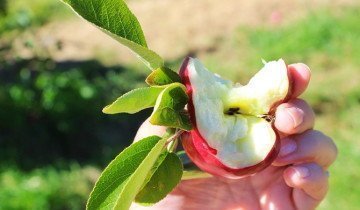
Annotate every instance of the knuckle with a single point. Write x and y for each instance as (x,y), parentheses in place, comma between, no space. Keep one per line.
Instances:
(319,183)
(313,141)
(319,190)
(331,150)
(334,150)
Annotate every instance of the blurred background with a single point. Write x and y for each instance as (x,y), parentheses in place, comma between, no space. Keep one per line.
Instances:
(57,72)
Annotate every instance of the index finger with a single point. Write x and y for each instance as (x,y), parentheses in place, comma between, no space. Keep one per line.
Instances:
(300,75)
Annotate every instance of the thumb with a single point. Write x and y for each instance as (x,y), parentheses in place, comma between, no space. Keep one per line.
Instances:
(148,129)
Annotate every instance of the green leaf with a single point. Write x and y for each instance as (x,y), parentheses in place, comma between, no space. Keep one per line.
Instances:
(123,178)
(134,101)
(114,18)
(162,76)
(166,177)
(169,108)
(111,15)
(190,171)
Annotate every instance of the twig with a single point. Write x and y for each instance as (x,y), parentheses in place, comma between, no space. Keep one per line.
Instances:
(173,137)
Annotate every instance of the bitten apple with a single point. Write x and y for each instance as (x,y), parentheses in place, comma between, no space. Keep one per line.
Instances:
(233,133)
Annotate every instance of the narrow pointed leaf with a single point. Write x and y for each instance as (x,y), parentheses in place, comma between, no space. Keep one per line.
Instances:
(134,101)
(114,18)
(135,182)
(125,175)
(162,76)
(169,108)
(167,175)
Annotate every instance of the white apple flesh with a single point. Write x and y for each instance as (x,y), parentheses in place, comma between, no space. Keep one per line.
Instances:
(234,121)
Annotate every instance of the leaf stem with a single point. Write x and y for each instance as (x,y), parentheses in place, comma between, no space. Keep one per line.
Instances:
(173,145)
(172,142)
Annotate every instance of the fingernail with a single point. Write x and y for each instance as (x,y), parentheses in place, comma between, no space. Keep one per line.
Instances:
(301,172)
(296,114)
(288,148)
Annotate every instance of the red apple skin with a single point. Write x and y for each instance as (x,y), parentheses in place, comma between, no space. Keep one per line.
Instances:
(203,155)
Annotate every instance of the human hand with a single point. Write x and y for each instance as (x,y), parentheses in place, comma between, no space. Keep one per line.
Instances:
(297,179)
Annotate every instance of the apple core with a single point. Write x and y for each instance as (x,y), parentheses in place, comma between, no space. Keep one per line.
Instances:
(234,123)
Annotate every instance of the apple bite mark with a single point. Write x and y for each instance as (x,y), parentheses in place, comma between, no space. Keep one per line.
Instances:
(268,87)
(233,124)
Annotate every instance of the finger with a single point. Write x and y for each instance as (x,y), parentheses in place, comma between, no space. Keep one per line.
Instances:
(310,183)
(300,75)
(148,129)
(295,116)
(311,146)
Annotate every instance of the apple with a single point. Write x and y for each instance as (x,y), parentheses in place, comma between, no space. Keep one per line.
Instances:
(233,131)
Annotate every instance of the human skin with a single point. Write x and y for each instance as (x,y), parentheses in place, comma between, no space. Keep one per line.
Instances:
(297,179)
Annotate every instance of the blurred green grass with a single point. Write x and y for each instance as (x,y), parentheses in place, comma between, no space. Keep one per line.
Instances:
(46,188)
(20,14)
(327,40)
